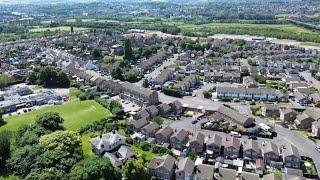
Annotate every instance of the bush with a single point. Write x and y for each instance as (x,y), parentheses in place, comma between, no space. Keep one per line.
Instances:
(144,146)
(172,92)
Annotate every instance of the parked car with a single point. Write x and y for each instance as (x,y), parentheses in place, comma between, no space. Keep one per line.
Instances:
(253,137)
(235,134)
(194,122)
(318,148)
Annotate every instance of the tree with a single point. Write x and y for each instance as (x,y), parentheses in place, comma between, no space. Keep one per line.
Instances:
(133,170)
(96,53)
(5,142)
(207,94)
(49,173)
(50,121)
(145,83)
(32,78)
(128,53)
(63,150)
(4,81)
(23,160)
(66,141)
(192,155)
(63,79)
(117,73)
(47,76)
(2,122)
(94,168)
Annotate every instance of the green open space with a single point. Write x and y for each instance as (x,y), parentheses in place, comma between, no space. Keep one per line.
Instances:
(60,28)
(76,114)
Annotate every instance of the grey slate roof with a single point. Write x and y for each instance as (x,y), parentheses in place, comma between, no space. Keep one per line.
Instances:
(291,150)
(165,161)
(270,147)
(166,131)
(186,165)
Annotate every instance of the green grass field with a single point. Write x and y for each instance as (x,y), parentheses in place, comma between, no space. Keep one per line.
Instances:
(60,28)
(75,113)
(281,31)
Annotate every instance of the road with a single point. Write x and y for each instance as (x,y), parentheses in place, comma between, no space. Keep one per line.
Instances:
(308,77)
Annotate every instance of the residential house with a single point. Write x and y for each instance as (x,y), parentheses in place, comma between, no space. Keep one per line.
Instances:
(125,153)
(185,169)
(270,152)
(305,120)
(142,114)
(164,109)
(163,135)
(107,142)
(113,159)
(249,176)
(251,150)
(258,94)
(153,111)
(213,145)
(204,172)
(179,139)
(196,143)
(291,156)
(232,148)
(302,98)
(288,115)
(150,129)
(225,174)
(272,176)
(315,98)
(176,107)
(270,110)
(136,125)
(162,167)
(141,96)
(316,129)
(234,116)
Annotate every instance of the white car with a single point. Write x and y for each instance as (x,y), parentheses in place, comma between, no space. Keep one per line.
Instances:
(318,148)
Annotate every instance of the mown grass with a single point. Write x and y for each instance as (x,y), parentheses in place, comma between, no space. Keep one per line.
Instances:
(75,113)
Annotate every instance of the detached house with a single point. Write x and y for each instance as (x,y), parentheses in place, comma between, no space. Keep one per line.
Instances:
(270,152)
(288,115)
(162,167)
(150,129)
(179,139)
(214,145)
(251,150)
(204,172)
(163,135)
(270,110)
(185,169)
(316,129)
(291,156)
(176,107)
(305,120)
(136,125)
(107,142)
(196,143)
(232,147)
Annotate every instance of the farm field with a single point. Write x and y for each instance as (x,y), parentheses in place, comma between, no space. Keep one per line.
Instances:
(60,28)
